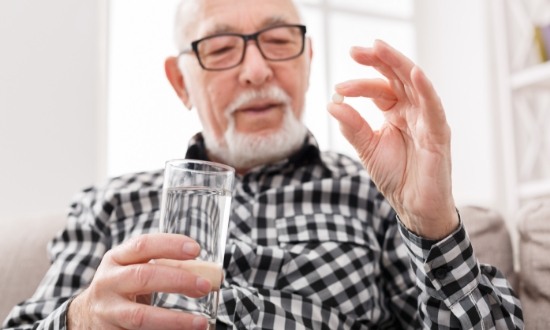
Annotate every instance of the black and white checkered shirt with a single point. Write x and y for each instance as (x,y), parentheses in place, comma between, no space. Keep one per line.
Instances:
(312,245)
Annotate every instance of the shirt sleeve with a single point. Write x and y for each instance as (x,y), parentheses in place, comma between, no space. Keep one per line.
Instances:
(456,292)
(22,317)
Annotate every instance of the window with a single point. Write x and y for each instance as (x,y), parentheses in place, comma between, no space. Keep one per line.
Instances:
(148,125)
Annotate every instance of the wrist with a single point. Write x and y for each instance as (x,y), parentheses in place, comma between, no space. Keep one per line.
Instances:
(73,318)
(431,227)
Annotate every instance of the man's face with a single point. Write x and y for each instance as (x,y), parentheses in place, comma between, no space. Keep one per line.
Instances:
(212,92)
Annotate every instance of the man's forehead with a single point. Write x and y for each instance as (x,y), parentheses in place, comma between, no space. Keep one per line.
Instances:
(225,26)
(207,17)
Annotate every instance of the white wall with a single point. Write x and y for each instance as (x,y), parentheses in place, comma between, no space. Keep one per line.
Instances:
(455,49)
(49,98)
(147,122)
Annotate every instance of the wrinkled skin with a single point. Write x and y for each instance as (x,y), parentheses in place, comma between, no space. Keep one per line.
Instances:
(409,157)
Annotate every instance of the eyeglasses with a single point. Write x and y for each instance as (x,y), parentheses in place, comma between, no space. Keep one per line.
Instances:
(225,51)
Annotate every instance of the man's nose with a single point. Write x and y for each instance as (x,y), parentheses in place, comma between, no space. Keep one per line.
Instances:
(255,69)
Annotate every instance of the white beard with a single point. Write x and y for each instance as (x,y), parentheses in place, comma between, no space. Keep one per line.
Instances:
(244,151)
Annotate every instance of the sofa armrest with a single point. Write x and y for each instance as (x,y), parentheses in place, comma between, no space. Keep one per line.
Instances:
(23,245)
(490,239)
(534,253)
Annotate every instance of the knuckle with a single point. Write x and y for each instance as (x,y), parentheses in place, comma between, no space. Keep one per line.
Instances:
(135,317)
(140,243)
(109,256)
(142,274)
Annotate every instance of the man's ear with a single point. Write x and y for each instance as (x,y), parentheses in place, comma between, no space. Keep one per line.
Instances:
(309,54)
(309,49)
(177,80)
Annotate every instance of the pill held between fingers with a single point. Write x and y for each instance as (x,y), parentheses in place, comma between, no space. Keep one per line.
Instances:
(337,98)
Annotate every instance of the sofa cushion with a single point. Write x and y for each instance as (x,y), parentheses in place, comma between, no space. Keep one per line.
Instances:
(490,239)
(23,245)
(534,252)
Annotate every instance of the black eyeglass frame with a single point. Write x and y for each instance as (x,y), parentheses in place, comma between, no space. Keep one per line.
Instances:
(246,37)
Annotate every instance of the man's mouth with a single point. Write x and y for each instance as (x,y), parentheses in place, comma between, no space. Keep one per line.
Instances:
(259,107)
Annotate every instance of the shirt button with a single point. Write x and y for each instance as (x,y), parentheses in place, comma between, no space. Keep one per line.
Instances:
(441,272)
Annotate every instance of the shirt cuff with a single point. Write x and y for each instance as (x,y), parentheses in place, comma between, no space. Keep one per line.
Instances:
(446,269)
(57,319)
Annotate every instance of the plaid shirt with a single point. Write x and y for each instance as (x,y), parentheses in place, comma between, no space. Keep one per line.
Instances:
(312,245)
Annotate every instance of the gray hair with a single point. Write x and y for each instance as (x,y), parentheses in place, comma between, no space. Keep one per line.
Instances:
(181,24)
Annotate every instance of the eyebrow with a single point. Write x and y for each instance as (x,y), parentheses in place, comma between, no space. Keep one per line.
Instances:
(225,28)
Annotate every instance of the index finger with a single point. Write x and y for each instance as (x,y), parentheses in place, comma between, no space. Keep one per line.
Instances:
(386,59)
(367,56)
(146,247)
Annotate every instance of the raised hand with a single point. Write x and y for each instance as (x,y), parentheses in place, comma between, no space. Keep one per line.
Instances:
(409,157)
(126,275)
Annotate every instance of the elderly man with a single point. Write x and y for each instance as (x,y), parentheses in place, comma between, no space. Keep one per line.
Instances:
(314,242)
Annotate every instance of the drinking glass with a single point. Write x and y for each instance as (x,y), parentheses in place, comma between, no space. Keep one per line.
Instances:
(196,201)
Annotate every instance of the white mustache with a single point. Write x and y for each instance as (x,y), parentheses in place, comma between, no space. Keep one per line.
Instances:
(272,93)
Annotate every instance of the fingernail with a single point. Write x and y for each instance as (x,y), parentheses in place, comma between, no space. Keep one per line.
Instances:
(200,323)
(203,285)
(191,248)
(357,48)
(341,85)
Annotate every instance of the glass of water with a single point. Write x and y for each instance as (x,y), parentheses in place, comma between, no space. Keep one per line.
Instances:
(196,202)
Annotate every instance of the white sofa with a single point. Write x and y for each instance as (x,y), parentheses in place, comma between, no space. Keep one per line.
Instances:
(491,240)
(23,244)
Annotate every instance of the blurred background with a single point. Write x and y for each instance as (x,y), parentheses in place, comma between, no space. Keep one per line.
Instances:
(83,95)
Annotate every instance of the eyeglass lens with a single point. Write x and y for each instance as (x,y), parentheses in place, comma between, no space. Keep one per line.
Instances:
(224,51)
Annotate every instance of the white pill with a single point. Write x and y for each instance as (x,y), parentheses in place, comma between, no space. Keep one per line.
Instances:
(337,98)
